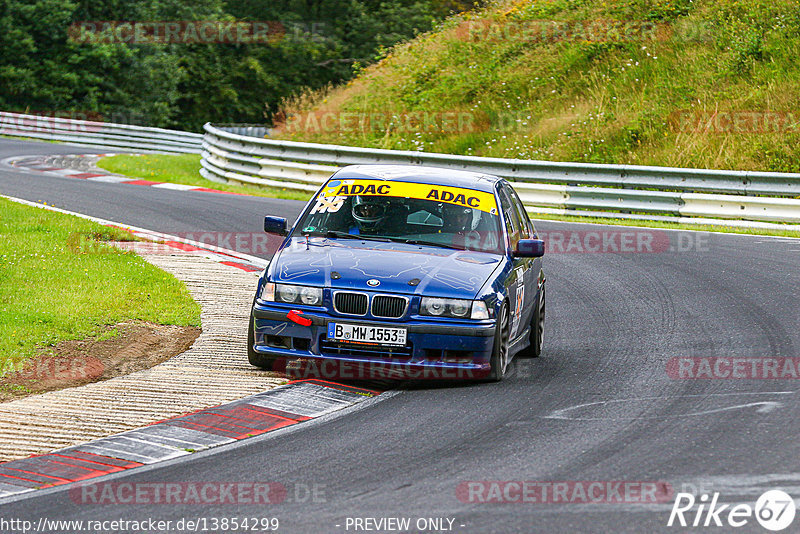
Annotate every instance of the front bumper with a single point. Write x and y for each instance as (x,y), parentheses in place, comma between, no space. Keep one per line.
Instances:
(435,349)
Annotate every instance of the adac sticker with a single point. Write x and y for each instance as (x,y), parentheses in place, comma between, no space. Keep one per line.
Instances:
(338,189)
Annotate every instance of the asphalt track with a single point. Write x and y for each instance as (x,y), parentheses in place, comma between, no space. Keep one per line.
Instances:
(597,406)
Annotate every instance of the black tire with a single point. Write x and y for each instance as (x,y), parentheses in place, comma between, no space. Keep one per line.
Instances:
(259,360)
(534,350)
(499,360)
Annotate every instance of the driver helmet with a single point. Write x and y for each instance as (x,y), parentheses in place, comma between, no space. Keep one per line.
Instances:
(369,212)
(458,218)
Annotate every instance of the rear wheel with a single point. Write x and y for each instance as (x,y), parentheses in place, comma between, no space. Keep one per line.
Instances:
(537,327)
(259,360)
(499,360)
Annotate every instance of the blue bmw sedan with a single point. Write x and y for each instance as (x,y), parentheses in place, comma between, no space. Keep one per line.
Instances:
(402,272)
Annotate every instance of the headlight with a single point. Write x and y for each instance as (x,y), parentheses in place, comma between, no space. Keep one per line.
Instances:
(311,296)
(290,294)
(286,293)
(460,309)
(434,306)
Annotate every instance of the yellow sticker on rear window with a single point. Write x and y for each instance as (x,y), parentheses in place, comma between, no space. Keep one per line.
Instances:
(480,200)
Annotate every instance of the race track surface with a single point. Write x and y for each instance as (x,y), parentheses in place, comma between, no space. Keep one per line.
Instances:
(599,405)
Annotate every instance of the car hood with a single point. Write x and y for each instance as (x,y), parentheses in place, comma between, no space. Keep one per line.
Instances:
(398,267)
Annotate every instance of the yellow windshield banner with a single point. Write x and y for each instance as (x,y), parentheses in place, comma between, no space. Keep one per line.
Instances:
(469,198)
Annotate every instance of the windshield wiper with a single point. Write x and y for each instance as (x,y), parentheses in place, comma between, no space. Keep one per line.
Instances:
(345,235)
(431,244)
(388,239)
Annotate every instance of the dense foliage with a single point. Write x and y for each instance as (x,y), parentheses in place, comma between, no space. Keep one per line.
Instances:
(686,83)
(46,69)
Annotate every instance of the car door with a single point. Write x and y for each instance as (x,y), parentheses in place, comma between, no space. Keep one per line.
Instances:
(520,281)
(535,275)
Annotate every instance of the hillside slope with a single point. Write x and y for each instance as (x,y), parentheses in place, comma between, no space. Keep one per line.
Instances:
(704,83)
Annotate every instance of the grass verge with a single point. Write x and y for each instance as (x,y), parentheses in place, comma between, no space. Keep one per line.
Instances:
(707,84)
(20,138)
(184,169)
(60,281)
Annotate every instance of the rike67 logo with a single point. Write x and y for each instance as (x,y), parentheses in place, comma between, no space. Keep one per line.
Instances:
(774,510)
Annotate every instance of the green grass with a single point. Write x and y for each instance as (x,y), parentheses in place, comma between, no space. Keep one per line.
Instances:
(666,225)
(184,169)
(59,281)
(20,138)
(581,99)
(492,86)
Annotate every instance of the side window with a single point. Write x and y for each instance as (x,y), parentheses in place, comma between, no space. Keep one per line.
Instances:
(528,231)
(510,218)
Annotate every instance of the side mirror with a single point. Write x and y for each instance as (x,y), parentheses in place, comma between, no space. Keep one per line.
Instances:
(275,225)
(529,248)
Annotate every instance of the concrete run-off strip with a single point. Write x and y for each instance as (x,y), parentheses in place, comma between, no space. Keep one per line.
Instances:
(213,371)
(205,397)
(257,414)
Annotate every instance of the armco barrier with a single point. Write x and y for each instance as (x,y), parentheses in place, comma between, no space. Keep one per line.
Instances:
(622,191)
(239,153)
(99,134)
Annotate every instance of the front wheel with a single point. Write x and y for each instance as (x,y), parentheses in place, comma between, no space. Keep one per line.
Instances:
(499,360)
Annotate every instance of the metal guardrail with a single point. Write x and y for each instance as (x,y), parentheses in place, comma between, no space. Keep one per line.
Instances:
(99,134)
(247,130)
(238,153)
(620,191)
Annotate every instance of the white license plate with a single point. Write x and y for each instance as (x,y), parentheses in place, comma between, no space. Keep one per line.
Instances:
(379,335)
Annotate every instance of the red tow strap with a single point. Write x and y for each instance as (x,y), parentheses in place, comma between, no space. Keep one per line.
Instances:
(294,316)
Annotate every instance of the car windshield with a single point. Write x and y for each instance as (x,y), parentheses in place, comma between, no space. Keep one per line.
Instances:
(422,214)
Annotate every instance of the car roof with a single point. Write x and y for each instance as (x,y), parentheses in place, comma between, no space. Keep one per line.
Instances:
(419,174)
